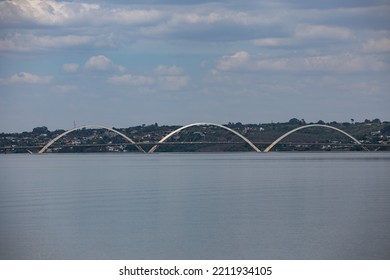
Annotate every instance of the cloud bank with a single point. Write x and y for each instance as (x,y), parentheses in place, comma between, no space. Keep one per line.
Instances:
(236,60)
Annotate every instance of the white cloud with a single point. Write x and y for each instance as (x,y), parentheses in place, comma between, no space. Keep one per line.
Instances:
(46,12)
(222,16)
(339,63)
(131,80)
(70,67)
(168,70)
(99,63)
(112,25)
(134,16)
(205,24)
(26,78)
(60,41)
(171,77)
(76,24)
(164,82)
(322,32)
(380,45)
(102,63)
(335,63)
(271,42)
(53,13)
(236,61)
(30,42)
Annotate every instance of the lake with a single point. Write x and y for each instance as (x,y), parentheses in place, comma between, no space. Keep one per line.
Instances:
(195,206)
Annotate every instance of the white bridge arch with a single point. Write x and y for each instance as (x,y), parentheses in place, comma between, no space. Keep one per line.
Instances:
(88,126)
(200,124)
(312,125)
(204,124)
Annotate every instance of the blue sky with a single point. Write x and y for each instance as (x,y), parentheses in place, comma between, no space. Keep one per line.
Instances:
(177,62)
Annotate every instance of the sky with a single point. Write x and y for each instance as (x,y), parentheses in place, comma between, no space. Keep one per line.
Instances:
(124,63)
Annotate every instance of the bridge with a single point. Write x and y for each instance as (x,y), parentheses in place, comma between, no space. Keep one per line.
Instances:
(163,141)
(205,124)
(89,126)
(312,125)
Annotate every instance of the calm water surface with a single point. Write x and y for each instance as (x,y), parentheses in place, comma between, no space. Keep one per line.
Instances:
(195,206)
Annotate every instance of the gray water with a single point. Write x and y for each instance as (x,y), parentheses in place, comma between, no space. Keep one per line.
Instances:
(195,206)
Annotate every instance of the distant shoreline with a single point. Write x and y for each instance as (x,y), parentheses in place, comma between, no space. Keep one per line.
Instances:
(205,137)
